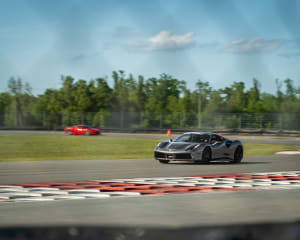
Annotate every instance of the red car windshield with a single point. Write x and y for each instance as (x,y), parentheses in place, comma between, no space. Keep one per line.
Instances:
(84,126)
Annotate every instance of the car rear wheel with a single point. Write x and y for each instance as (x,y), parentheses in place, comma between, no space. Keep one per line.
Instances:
(87,132)
(69,132)
(164,161)
(238,155)
(206,155)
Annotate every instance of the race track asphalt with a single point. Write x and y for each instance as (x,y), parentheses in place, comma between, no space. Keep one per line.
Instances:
(80,170)
(169,210)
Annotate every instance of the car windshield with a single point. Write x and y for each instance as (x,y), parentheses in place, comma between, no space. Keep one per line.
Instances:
(196,138)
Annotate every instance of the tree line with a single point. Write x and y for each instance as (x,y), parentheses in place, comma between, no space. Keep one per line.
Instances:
(155,99)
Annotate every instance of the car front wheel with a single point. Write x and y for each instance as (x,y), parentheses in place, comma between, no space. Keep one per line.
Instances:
(87,132)
(238,155)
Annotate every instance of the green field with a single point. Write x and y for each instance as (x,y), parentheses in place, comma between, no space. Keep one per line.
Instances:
(36,148)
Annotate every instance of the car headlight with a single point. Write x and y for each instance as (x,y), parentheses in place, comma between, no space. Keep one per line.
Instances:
(196,146)
(159,145)
(192,147)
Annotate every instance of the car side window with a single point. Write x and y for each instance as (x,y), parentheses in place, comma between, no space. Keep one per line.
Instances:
(200,138)
(206,138)
(213,139)
(216,140)
(219,138)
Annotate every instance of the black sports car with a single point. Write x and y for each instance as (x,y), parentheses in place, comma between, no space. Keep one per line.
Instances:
(199,147)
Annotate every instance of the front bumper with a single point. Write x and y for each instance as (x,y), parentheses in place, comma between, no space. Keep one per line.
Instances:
(177,156)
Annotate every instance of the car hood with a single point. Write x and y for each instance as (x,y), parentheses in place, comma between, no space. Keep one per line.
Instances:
(177,146)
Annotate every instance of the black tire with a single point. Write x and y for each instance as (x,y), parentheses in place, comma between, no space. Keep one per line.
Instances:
(206,155)
(238,155)
(164,161)
(69,132)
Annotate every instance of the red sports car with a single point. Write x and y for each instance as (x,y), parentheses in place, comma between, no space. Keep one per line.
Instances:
(81,130)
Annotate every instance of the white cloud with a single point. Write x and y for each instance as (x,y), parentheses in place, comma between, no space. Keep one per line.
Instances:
(165,40)
(258,45)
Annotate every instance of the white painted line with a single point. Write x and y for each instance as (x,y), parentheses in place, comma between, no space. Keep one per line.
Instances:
(208,180)
(261,180)
(222,186)
(4,197)
(10,186)
(12,190)
(42,189)
(297,152)
(192,178)
(166,183)
(68,197)
(19,194)
(187,182)
(93,195)
(226,179)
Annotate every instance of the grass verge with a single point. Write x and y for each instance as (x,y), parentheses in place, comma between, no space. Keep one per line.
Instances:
(37,148)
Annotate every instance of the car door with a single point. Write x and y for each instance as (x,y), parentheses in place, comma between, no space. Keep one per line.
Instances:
(83,130)
(80,130)
(217,144)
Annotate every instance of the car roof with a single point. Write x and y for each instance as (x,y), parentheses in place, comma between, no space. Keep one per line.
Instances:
(201,133)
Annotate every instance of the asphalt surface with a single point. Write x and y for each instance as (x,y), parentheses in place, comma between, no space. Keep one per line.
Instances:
(172,210)
(169,210)
(77,170)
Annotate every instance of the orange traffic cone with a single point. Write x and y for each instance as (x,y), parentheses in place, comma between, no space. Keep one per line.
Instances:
(169,133)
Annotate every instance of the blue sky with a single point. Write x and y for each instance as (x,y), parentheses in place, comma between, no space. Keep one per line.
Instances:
(219,41)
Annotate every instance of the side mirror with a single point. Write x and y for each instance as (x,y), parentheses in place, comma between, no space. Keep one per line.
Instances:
(170,140)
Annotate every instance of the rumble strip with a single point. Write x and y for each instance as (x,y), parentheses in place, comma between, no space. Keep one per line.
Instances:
(99,189)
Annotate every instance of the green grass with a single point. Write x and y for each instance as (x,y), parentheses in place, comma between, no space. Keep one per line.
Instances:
(36,148)
(266,149)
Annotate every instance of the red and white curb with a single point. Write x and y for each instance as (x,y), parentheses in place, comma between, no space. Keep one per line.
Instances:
(99,189)
(297,152)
